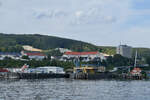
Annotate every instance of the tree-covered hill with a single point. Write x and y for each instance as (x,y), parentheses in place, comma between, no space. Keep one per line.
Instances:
(108,49)
(14,42)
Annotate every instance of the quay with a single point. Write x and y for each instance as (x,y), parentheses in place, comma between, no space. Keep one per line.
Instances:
(107,76)
(85,72)
(36,73)
(40,75)
(31,75)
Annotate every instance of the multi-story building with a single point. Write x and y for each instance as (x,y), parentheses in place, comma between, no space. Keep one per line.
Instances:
(124,50)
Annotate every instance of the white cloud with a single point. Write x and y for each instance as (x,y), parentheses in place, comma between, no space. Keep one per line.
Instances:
(56,14)
(104,21)
(78,13)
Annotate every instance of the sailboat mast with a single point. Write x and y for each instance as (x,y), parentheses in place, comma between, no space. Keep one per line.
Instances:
(135,59)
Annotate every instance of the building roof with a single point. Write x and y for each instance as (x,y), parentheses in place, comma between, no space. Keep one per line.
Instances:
(3,70)
(50,67)
(81,53)
(35,54)
(136,71)
(30,48)
(10,53)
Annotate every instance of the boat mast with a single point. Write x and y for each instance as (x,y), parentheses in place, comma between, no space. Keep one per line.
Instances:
(135,59)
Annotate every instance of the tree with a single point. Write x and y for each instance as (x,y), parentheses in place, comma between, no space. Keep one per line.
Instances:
(148,60)
(25,57)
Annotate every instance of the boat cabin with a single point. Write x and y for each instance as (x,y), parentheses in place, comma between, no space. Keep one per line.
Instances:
(136,71)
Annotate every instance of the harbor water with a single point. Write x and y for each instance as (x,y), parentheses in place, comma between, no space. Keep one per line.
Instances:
(68,89)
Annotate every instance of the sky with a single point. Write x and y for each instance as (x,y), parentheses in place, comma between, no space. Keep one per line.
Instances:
(101,22)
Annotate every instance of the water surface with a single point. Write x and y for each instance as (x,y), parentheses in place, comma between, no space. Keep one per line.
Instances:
(67,89)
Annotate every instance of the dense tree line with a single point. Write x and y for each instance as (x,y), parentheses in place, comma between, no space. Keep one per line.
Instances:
(16,48)
(114,61)
(10,63)
(110,62)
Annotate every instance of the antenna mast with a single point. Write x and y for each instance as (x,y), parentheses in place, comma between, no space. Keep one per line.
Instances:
(135,59)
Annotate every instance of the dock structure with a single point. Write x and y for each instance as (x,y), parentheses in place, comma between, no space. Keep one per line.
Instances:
(107,76)
(31,75)
(94,76)
(92,73)
(9,75)
(40,75)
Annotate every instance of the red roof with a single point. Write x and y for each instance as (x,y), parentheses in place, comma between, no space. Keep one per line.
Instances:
(81,53)
(136,70)
(4,70)
(35,54)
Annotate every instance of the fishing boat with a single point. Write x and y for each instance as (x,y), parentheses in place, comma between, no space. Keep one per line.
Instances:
(136,72)
(88,71)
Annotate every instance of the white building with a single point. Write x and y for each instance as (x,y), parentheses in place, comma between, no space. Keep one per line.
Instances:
(63,50)
(14,70)
(87,55)
(124,50)
(46,69)
(51,69)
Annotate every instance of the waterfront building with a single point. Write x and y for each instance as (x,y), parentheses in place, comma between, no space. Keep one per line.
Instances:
(46,69)
(51,69)
(124,50)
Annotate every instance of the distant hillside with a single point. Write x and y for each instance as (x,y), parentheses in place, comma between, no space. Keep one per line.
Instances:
(13,42)
(108,49)
(142,52)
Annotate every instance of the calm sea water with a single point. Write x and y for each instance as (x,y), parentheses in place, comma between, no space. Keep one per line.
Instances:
(67,89)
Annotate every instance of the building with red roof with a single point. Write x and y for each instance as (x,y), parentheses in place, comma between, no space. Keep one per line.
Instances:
(136,71)
(81,53)
(34,55)
(87,55)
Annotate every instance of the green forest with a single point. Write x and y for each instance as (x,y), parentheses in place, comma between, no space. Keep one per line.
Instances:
(13,42)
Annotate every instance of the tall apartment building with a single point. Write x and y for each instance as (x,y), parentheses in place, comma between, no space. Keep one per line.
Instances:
(124,50)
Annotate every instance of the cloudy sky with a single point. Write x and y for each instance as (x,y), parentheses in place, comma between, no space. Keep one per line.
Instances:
(102,22)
